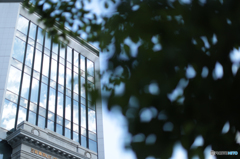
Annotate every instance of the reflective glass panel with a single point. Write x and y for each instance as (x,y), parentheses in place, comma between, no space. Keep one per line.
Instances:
(75,137)
(67,124)
(21,114)
(32,31)
(75,69)
(11,96)
(54,70)
(83,132)
(68,93)
(83,116)
(68,108)
(82,63)
(27,70)
(92,145)
(46,51)
(33,107)
(32,117)
(29,56)
(83,101)
(90,105)
(75,112)
(75,127)
(42,111)
(75,83)
(37,60)
(75,96)
(83,141)
(90,87)
(60,88)
(60,104)
(51,103)
(50,125)
(51,116)
(62,52)
(18,49)
(23,102)
(21,35)
(82,73)
(16,63)
(34,92)
(43,95)
(92,136)
(14,80)
(9,115)
(53,84)
(83,90)
(47,41)
(36,75)
(61,75)
(41,122)
(62,61)
(54,56)
(69,65)
(44,79)
(55,48)
(22,24)
(91,120)
(59,129)
(69,54)
(68,133)
(59,120)
(68,79)
(39,47)
(40,36)
(76,58)
(90,67)
(31,41)
(45,65)
(25,86)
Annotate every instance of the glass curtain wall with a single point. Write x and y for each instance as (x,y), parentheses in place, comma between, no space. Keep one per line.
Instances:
(46,87)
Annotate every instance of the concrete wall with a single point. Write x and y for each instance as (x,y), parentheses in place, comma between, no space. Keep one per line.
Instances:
(8,20)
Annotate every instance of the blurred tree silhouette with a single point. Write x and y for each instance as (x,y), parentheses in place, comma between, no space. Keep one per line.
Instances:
(181,83)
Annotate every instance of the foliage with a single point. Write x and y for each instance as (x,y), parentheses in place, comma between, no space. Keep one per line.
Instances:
(180,83)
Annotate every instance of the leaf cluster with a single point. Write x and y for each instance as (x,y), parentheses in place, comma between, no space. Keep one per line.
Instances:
(154,43)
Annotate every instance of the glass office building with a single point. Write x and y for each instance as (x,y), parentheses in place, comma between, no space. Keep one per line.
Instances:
(46,85)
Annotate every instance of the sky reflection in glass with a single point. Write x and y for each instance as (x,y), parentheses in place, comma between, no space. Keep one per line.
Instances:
(22,24)
(18,49)
(29,56)
(14,80)
(25,86)
(9,115)
(91,120)
(32,31)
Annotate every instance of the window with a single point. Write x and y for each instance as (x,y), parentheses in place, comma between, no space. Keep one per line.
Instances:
(49,85)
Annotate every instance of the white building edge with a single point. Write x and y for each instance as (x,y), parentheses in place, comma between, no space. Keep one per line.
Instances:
(28,140)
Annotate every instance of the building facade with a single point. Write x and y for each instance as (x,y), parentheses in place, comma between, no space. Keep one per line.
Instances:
(45,110)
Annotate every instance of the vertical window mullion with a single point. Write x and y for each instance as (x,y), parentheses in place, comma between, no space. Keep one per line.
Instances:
(64,96)
(56,100)
(79,97)
(95,105)
(49,78)
(48,86)
(86,90)
(72,94)
(21,79)
(40,81)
